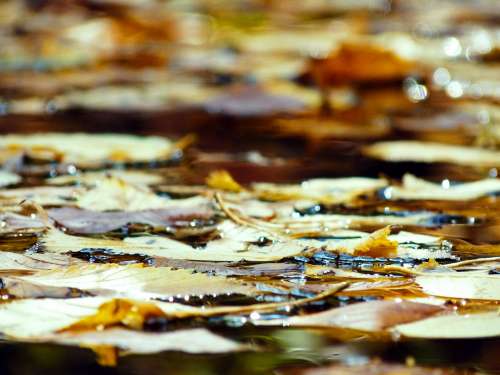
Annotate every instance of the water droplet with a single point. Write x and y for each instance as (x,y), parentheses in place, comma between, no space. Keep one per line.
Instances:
(454,89)
(255,315)
(441,77)
(452,47)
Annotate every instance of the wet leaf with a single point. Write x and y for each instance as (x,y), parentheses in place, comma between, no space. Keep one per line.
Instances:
(8,178)
(428,152)
(114,194)
(461,285)
(15,262)
(478,325)
(321,190)
(222,180)
(136,281)
(416,189)
(93,222)
(92,178)
(74,148)
(236,244)
(365,316)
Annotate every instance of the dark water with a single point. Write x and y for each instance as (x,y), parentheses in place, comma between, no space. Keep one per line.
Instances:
(297,349)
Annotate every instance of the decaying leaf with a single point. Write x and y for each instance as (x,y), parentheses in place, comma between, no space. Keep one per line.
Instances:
(427,152)
(237,243)
(8,178)
(136,281)
(323,190)
(454,326)
(383,244)
(365,316)
(114,194)
(416,189)
(88,149)
(360,62)
(26,263)
(12,222)
(461,285)
(42,195)
(132,177)
(31,318)
(92,222)
(324,222)
(222,180)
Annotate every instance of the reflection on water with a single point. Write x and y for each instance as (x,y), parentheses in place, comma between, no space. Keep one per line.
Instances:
(300,349)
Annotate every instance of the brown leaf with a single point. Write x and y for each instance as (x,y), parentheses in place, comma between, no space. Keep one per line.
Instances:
(365,316)
(93,222)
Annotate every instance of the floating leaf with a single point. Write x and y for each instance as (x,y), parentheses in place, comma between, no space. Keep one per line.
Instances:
(114,194)
(134,177)
(75,148)
(136,281)
(460,285)
(428,152)
(478,325)
(365,316)
(92,222)
(416,189)
(321,190)
(8,178)
(222,180)
(15,262)
(237,243)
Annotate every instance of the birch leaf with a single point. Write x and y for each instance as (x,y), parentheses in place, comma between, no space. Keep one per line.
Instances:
(479,325)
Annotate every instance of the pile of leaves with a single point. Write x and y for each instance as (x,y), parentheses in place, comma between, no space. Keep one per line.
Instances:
(120,261)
